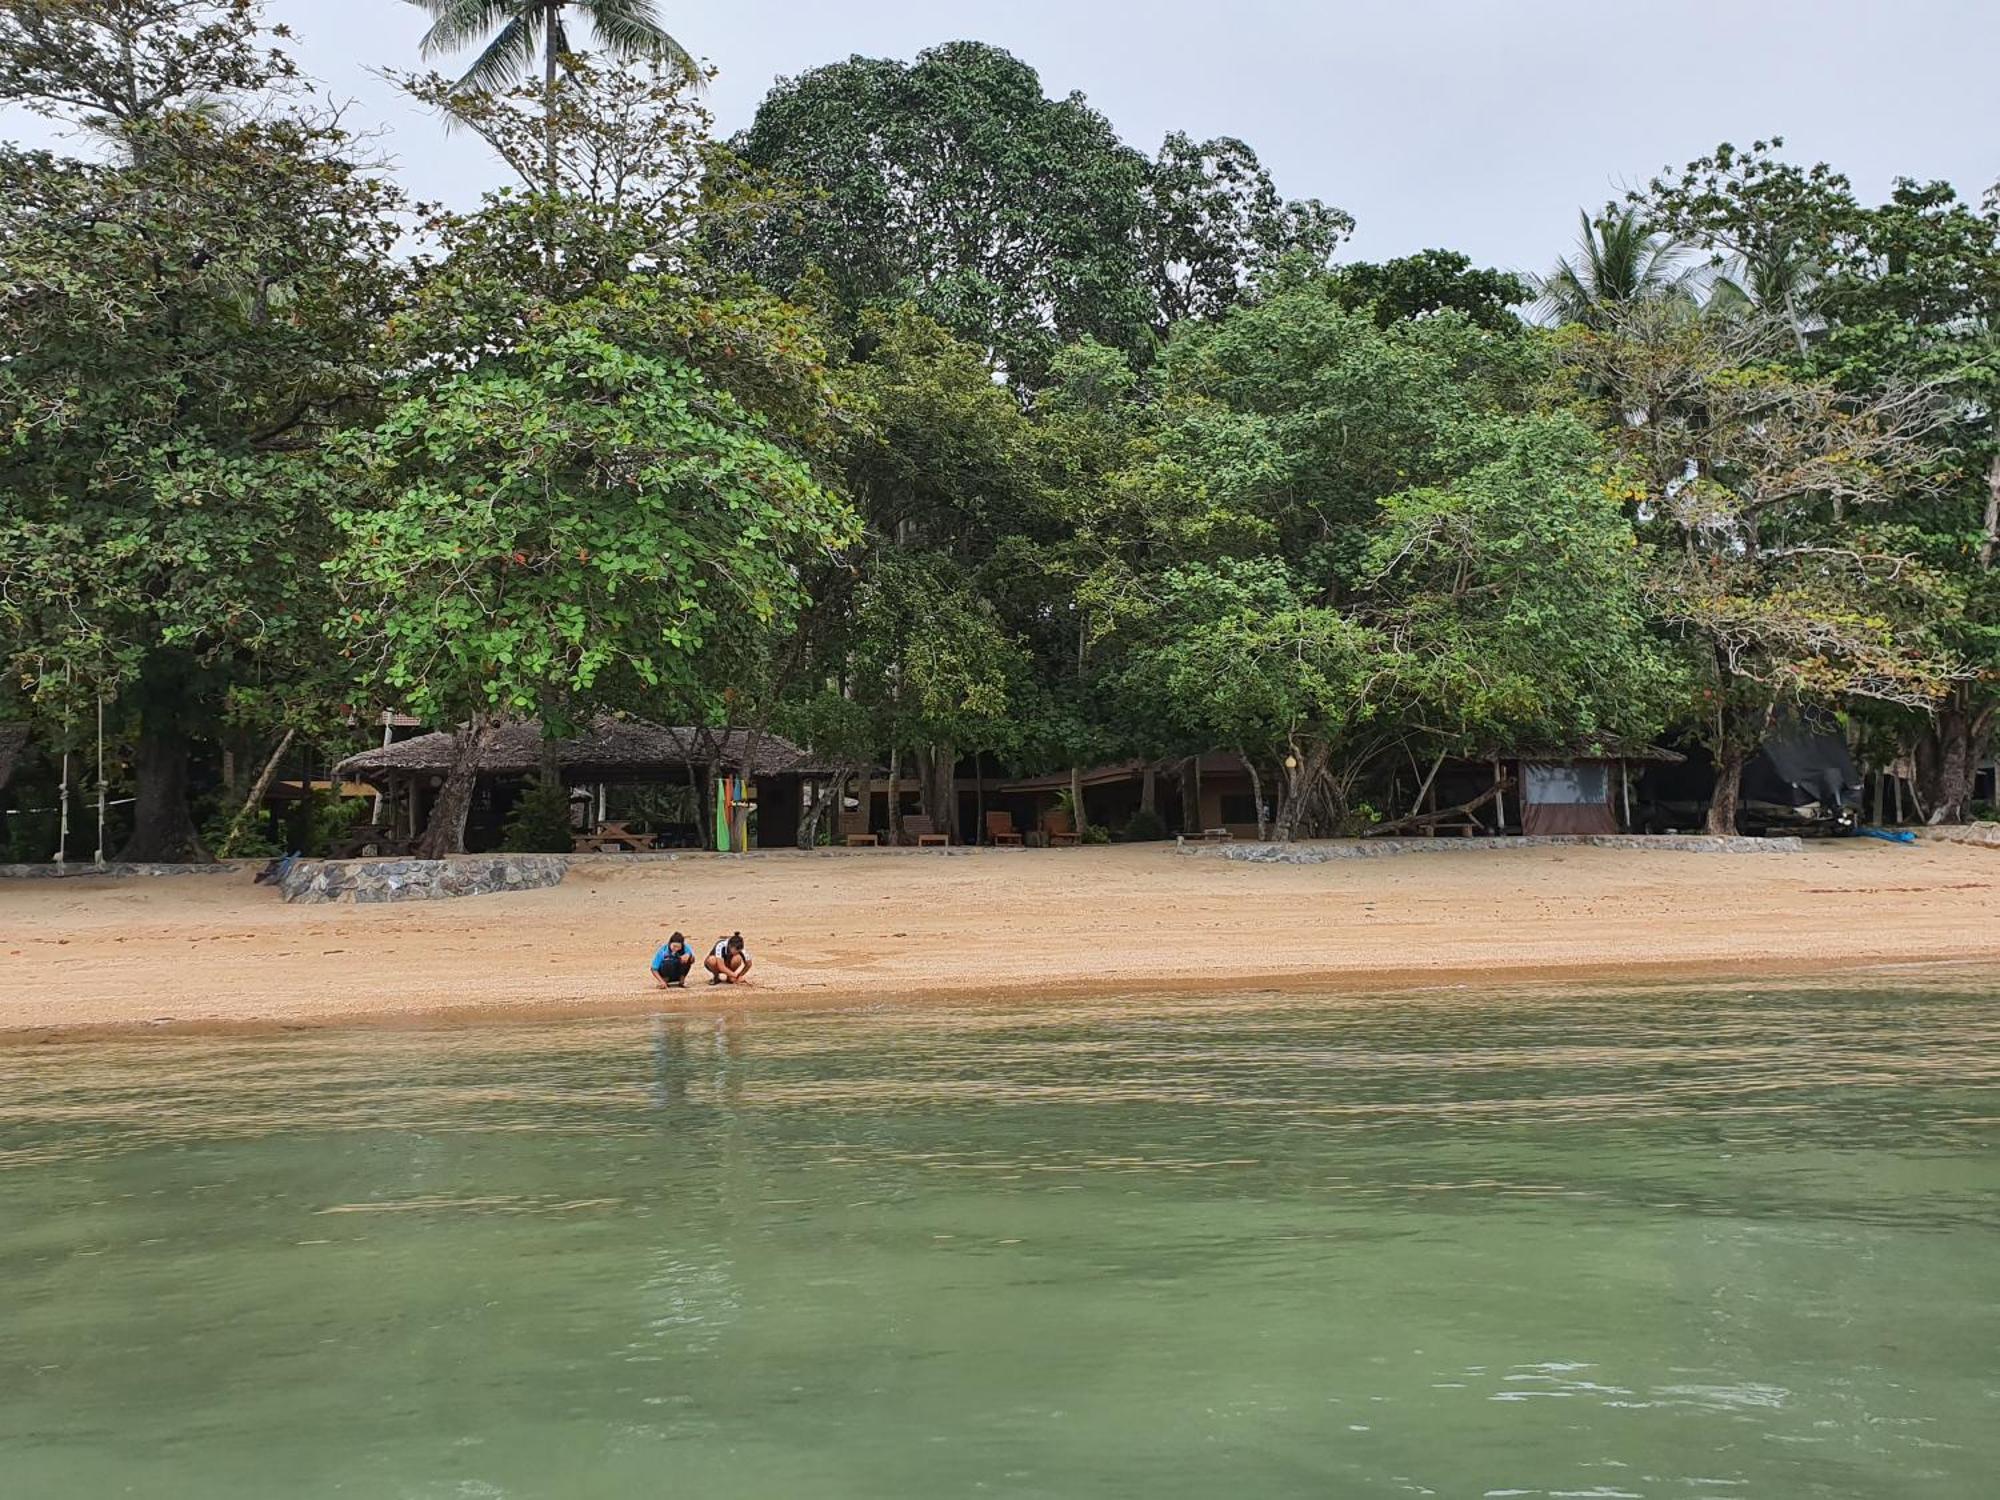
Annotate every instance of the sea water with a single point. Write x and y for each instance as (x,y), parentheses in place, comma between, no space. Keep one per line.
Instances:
(1700,1242)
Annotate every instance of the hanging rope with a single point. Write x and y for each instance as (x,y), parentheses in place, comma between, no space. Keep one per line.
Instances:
(62,827)
(101,790)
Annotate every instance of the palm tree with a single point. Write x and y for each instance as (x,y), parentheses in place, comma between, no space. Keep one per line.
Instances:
(628,30)
(1621,260)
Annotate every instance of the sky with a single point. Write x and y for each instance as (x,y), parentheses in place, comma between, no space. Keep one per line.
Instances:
(1475,125)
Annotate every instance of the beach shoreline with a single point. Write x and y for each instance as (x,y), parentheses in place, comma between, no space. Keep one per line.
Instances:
(89,957)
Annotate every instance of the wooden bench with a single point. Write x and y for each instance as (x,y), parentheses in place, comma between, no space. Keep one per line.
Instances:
(924,831)
(1000,829)
(863,840)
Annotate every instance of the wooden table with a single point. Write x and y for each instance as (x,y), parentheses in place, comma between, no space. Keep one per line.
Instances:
(615,834)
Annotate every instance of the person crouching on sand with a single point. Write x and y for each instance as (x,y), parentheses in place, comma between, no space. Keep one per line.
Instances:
(727,963)
(672,963)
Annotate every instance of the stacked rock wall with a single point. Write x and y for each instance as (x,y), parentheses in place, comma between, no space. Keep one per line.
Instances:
(369,880)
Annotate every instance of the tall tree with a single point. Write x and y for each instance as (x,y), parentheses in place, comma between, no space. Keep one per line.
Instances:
(953,182)
(1769,226)
(1912,293)
(1019,222)
(1621,259)
(1212,222)
(1767,493)
(570,523)
(186,320)
(514,31)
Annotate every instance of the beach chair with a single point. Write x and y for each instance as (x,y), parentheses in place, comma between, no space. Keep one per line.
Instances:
(1000,829)
(854,831)
(925,833)
(1060,830)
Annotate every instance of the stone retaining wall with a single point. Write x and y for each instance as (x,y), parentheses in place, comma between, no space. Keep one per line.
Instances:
(1318,853)
(76,870)
(370,880)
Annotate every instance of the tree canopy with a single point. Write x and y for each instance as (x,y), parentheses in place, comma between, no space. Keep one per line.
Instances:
(929,420)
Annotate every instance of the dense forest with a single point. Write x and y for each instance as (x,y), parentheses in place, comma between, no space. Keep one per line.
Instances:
(926,416)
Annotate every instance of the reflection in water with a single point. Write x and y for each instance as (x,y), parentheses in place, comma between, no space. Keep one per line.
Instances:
(1632,1244)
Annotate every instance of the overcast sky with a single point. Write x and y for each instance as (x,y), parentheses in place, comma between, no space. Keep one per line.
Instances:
(1477,125)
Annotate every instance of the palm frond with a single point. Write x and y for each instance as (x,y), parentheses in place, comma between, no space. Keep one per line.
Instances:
(458,24)
(507,57)
(630,30)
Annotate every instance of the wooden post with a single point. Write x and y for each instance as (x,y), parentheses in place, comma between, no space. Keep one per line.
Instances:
(388,738)
(979,795)
(1897,788)
(1625,783)
(1499,798)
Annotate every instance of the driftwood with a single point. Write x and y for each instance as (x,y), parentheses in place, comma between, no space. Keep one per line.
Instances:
(1443,815)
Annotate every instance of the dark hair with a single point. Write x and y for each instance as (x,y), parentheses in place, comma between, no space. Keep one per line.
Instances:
(736,941)
(677,938)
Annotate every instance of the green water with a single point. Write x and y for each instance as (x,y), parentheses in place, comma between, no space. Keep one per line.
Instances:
(1670,1244)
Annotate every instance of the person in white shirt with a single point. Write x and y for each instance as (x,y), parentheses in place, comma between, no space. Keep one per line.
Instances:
(727,963)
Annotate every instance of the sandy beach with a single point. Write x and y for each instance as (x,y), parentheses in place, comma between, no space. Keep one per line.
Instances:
(847,928)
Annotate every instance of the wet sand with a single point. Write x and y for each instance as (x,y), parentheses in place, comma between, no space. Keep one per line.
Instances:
(859,927)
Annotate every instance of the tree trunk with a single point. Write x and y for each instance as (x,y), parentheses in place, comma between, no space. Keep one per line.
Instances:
(1190,795)
(1077,812)
(1257,797)
(1722,807)
(255,797)
(979,795)
(444,834)
(1300,780)
(895,795)
(1948,754)
(935,764)
(163,829)
(551,172)
(1149,789)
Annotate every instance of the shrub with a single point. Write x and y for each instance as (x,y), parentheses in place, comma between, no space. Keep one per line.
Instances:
(539,821)
(1145,827)
(1096,833)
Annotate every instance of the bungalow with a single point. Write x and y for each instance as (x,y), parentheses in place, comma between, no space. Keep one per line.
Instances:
(611,752)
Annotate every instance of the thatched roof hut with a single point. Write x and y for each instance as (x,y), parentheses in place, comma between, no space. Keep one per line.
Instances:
(611,749)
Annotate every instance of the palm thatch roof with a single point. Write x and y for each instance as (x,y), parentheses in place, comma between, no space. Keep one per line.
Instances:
(611,749)
(1603,747)
(13,740)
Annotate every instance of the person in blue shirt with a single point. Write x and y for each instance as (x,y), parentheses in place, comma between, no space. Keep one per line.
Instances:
(673,962)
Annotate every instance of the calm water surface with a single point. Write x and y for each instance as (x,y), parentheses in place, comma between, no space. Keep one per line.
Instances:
(1672,1244)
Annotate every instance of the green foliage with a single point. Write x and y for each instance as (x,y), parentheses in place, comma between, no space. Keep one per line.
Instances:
(1019,222)
(1431,281)
(573,522)
(539,821)
(1516,594)
(1057,451)
(189,315)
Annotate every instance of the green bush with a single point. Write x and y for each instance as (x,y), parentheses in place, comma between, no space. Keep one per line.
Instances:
(1145,827)
(252,842)
(1096,833)
(539,821)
